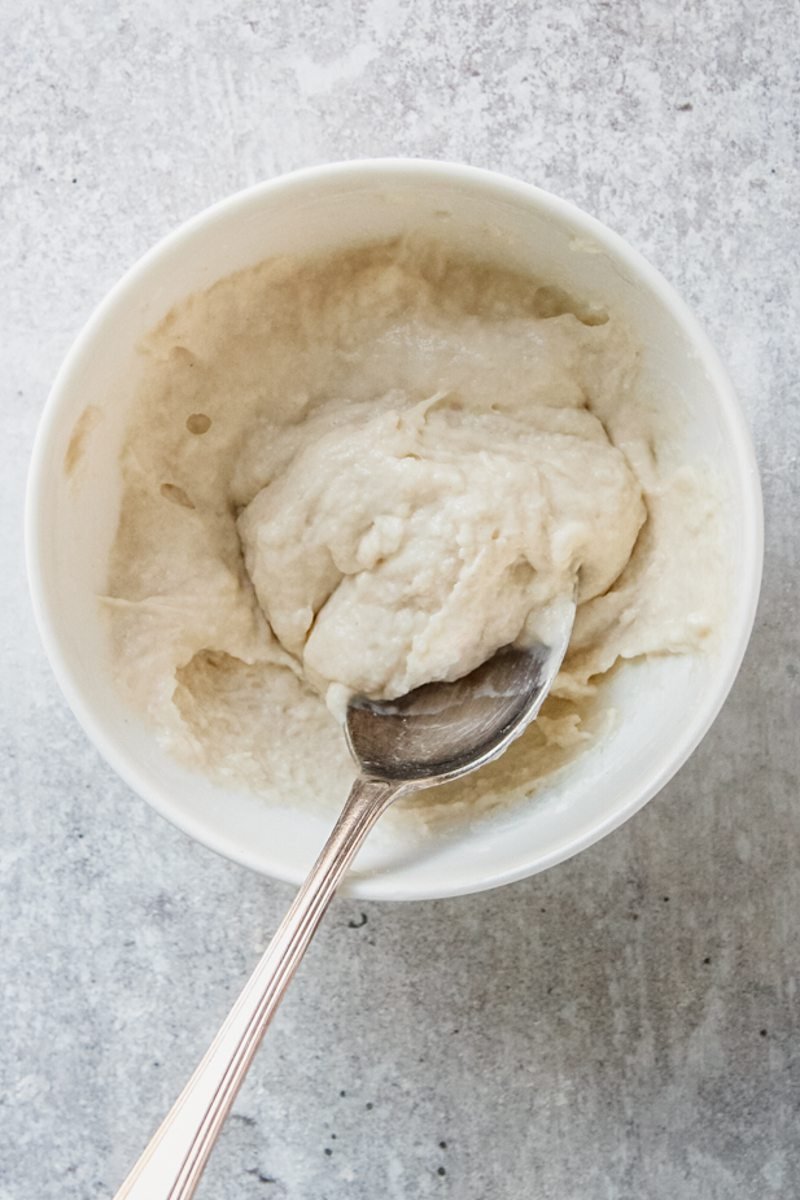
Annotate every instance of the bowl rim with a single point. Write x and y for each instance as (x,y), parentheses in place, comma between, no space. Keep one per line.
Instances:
(751,531)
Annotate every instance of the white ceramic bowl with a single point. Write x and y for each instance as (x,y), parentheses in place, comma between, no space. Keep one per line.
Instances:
(666,705)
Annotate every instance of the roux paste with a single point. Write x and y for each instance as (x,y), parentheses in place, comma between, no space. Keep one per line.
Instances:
(360,473)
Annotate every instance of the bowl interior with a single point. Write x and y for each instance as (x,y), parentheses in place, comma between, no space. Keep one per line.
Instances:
(664,705)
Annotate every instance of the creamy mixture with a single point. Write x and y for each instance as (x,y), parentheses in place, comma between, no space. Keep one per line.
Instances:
(359,474)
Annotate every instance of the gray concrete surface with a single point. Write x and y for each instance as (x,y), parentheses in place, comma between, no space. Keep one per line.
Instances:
(624,1027)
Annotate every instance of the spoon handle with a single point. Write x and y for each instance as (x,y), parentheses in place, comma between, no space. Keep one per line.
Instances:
(171,1166)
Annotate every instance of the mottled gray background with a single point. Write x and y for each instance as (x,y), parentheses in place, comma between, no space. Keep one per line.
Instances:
(623,1027)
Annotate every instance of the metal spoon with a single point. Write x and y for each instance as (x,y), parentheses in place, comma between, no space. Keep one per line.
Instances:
(436,733)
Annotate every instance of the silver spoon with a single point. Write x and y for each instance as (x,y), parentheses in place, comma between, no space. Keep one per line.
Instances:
(434,734)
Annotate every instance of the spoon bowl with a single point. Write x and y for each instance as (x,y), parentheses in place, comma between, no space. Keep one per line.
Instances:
(442,731)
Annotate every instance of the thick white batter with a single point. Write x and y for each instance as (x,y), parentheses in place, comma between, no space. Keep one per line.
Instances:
(367,472)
